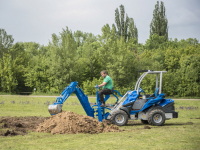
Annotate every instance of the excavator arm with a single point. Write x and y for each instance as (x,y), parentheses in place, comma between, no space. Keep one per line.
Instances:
(56,107)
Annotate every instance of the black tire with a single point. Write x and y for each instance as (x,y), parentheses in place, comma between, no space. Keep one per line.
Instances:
(119,118)
(156,117)
(144,121)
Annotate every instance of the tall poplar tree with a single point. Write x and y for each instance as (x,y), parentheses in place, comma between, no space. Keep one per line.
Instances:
(125,25)
(159,23)
(132,30)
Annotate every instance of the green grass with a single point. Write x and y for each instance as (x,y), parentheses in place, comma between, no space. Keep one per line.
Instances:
(180,133)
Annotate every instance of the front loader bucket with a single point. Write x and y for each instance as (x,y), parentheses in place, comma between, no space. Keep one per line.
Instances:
(55,109)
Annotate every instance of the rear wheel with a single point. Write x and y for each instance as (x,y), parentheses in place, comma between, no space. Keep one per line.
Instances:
(156,117)
(119,118)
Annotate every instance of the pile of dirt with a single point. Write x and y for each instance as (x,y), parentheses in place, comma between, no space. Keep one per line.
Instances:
(72,123)
(62,123)
(11,126)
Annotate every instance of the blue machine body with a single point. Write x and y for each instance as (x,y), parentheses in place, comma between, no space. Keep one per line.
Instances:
(157,100)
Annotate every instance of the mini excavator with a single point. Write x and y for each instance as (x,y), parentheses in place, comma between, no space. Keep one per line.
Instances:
(151,109)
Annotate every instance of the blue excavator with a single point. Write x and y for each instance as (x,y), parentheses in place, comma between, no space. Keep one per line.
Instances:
(151,109)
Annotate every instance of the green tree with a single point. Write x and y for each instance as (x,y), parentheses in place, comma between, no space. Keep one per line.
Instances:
(63,56)
(159,23)
(37,75)
(80,37)
(21,60)
(31,48)
(132,30)
(125,26)
(155,41)
(190,75)
(89,58)
(8,80)
(5,42)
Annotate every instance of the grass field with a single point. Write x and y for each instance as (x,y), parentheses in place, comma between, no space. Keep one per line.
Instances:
(180,133)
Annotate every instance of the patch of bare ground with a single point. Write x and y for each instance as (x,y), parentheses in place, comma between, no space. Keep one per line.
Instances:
(11,126)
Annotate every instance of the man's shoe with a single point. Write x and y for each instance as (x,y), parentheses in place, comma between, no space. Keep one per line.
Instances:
(103,105)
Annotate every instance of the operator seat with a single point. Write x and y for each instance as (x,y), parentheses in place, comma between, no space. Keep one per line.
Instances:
(107,96)
(112,92)
(155,94)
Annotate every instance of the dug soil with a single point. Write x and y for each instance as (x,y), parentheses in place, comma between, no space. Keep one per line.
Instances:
(62,123)
(11,126)
(72,123)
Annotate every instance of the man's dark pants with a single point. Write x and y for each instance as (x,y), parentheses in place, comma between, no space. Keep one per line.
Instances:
(104,91)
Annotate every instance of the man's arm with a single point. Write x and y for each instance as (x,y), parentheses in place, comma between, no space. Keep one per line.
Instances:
(104,83)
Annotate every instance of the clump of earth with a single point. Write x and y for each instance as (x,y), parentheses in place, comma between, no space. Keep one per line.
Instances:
(72,123)
(62,123)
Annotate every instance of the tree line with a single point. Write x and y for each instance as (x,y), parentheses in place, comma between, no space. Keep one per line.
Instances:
(79,56)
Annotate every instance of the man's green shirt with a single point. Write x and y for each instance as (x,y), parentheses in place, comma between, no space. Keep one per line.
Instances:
(109,83)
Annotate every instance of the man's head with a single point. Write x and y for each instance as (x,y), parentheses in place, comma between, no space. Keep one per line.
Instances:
(103,73)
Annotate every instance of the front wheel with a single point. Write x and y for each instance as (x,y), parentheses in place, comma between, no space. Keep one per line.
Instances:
(119,118)
(156,117)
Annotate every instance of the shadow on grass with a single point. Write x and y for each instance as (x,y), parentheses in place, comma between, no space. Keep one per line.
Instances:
(132,123)
(179,124)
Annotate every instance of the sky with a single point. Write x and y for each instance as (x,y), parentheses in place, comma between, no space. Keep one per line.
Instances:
(37,20)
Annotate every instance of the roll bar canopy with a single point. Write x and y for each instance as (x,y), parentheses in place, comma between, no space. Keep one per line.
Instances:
(137,85)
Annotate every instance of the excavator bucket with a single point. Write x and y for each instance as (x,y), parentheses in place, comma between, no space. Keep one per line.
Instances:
(55,109)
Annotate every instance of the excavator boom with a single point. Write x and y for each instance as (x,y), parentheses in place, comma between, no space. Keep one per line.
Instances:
(56,107)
